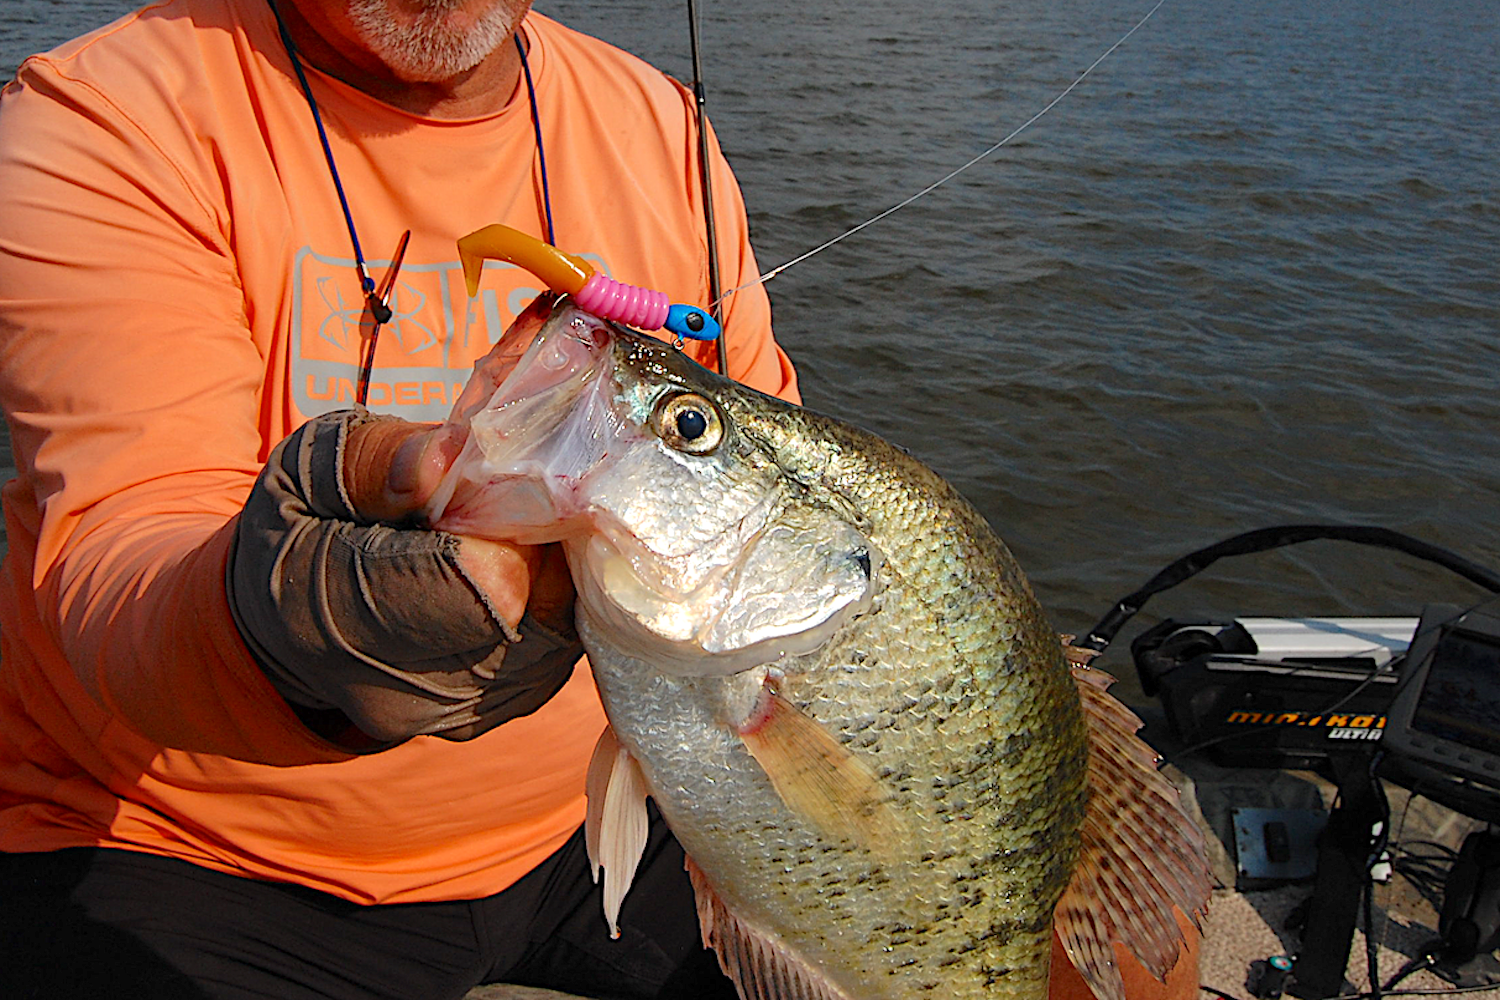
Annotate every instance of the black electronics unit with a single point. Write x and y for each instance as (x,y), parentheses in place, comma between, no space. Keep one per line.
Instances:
(1443,732)
(1274,692)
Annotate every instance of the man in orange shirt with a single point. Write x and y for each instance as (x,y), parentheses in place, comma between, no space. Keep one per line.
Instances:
(190,801)
(251,737)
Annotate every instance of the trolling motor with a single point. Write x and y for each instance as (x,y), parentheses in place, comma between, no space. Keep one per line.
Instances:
(1278,692)
(1413,700)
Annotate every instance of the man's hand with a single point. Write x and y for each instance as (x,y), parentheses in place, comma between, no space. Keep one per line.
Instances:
(399,631)
(391,467)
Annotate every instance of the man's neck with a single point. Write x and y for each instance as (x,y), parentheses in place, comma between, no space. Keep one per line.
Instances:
(329,46)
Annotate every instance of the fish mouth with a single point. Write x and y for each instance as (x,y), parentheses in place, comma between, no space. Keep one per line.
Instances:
(780,596)
(699,561)
(540,417)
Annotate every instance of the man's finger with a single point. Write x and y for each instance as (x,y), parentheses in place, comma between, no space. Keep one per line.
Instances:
(502,573)
(391,467)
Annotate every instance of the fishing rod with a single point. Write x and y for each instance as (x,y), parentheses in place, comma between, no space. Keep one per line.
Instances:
(715,296)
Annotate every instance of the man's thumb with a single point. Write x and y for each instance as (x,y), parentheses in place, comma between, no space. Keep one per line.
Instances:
(392,467)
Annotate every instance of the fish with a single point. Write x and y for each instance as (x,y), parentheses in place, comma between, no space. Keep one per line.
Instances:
(830,675)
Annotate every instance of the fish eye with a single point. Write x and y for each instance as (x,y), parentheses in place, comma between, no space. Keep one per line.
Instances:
(689,423)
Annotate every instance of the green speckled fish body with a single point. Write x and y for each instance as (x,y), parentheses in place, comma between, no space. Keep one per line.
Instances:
(832,675)
(951,686)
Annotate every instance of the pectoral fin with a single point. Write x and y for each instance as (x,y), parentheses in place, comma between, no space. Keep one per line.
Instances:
(1141,854)
(816,776)
(616,824)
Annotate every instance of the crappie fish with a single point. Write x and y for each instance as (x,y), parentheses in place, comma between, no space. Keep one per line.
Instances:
(830,675)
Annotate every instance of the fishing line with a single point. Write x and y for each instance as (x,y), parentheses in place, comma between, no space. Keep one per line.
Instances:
(954,173)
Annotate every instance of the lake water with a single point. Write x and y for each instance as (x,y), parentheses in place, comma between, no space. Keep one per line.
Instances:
(1246,274)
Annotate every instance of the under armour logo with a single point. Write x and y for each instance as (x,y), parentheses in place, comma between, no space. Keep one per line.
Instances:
(348,322)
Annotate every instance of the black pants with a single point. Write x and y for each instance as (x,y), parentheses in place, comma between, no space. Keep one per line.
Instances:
(87,923)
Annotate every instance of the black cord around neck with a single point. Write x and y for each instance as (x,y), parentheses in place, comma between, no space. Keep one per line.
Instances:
(536,126)
(366,283)
(379,308)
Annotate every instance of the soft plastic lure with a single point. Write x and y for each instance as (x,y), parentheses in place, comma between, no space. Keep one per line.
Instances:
(592,290)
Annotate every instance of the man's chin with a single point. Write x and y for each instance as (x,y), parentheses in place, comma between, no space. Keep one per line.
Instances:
(436,45)
(430,72)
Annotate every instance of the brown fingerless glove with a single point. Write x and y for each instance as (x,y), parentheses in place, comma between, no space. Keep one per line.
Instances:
(371,625)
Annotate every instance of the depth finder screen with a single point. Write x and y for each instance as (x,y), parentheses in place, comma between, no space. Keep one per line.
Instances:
(1461,697)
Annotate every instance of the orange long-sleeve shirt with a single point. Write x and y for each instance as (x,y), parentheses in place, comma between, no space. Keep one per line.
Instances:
(176,295)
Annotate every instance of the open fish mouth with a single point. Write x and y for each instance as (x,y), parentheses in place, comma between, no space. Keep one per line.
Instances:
(539,421)
(678,533)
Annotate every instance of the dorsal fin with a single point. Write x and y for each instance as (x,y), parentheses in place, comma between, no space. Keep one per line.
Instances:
(759,963)
(1141,854)
(616,825)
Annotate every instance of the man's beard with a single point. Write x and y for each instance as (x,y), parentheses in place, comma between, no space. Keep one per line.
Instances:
(429,48)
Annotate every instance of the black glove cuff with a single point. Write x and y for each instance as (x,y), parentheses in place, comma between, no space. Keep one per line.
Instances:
(379,624)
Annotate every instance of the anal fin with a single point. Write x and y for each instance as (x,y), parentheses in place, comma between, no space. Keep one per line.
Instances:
(616,825)
(759,963)
(1141,854)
